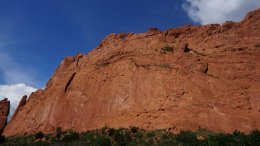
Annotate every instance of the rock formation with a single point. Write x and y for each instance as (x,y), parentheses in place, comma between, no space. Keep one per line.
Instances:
(181,79)
(20,106)
(4,112)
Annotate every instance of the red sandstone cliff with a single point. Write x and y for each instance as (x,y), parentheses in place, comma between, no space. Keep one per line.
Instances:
(4,112)
(211,79)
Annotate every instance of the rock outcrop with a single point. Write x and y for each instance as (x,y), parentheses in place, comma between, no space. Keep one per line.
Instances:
(182,79)
(4,112)
(20,106)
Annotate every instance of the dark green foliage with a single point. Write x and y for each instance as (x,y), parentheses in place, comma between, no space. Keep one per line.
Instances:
(253,138)
(111,131)
(2,139)
(147,66)
(70,136)
(58,133)
(104,130)
(122,137)
(167,49)
(168,142)
(135,137)
(150,134)
(134,129)
(219,139)
(239,138)
(103,141)
(187,138)
(39,135)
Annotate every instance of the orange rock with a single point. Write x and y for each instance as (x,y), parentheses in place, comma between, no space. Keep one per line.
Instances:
(209,79)
(4,112)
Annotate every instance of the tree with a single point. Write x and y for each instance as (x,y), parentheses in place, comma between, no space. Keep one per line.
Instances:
(39,135)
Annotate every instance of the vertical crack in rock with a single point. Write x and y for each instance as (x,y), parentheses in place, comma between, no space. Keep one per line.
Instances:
(206,69)
(69,82)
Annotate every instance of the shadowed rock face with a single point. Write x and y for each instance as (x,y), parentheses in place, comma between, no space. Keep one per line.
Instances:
(4,112)
(183,79)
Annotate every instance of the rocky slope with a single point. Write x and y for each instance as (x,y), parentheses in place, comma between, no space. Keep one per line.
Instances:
(4,112)
(183,78)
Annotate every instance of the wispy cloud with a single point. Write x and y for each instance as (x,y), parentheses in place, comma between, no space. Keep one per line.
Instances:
(12,72)
(218,11)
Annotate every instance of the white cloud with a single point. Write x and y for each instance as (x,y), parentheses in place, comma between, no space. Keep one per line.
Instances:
(218,11)
(14,93)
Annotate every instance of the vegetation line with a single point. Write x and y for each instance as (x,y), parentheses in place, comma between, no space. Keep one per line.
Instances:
(134,136)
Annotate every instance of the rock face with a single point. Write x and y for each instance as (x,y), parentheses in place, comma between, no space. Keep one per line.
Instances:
(4,112)
(182,79)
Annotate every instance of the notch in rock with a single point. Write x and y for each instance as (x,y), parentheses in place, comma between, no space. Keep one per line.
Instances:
(186,48)
(206,69)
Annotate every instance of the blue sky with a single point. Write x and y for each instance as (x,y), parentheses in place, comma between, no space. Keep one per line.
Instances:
(36,35)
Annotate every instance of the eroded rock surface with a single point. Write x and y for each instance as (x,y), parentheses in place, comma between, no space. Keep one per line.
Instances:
(182,79)
(4,112)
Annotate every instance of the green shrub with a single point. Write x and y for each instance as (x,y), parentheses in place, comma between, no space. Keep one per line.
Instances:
(150,134)
(134,129)
(135,136)
(119,139)
(167,49)
(187,138)
(58,133)
(168,142)
(103,141)
(239,138)
(122,136)
(70,136)
(220,139)
(254,138)
(111,131)
(104,130)
(87,136)
(39,135)
(2,139)
(132,143)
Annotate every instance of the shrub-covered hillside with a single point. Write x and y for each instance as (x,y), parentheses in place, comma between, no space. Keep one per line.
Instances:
(134,137)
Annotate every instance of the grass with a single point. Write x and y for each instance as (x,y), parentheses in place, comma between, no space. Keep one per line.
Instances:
(156,65)
(167,49)
(137,137)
